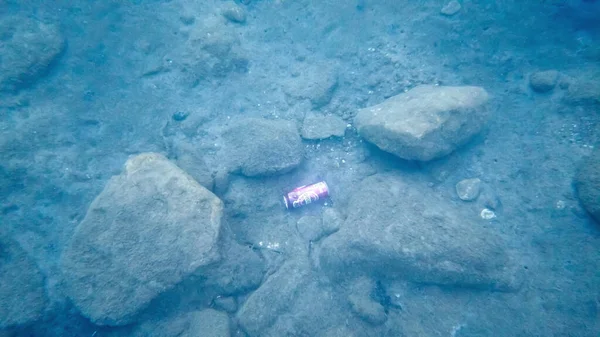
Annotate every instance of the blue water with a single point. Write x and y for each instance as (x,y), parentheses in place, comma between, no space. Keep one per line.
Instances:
(199,243)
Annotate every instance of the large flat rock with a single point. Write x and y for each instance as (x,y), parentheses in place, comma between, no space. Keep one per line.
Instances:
(401,230)
(426,122)
(149,228)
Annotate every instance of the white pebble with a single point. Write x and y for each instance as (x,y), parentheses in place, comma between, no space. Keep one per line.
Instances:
(487,214)
(451,8)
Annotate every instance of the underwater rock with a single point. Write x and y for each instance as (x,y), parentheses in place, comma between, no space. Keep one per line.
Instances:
(543,81)
(226,303)
(451,8)
(310,227)
(332,221)
(583,93)
(212,50)
(261,147)
(205,323)
(317,83)
(313,311)
(468,189)
(197,168)
(187,18)
(401,230)
(367,309)
(234,13)
(425,123)
(322,127)
(190,159)
(587,183)
(314,228)
(339,331)
(22,293)
(28,49)
(274,298)
(149,228)
(363,305)
(240,270)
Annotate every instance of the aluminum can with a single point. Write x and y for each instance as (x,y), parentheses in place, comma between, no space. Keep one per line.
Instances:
(305,195)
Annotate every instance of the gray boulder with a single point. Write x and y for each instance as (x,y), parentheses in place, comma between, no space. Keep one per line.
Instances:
(363,305)
(314,228)
(314,82)
(149,228)
(274,298)
(543,81)
(205,323)
(240,270)
(367,309)
(28,49)
(583,93)
(22,295)
(322,127)
(588,184)
(212,50)
(401,230)
(426,122)
(261,147)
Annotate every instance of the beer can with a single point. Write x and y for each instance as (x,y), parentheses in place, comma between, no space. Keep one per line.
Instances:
(305,195)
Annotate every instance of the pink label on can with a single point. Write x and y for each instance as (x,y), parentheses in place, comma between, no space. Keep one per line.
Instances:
(305,195)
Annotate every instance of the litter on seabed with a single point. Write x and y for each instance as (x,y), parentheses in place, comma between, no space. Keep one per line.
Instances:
(307,194)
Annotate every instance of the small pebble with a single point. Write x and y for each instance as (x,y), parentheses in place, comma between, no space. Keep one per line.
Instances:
(234,13)
(187,19)
(487,214)
(226,303)
(468,189)
(180,116)
(451,8)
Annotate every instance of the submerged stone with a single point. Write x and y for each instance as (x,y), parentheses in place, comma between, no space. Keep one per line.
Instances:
(262,147)
(425,123)
(451,8)
(400,230)
(583,93)
(149,228)
(234,13)
(274,298)
(588,184)
(28,49)
(22,293)
(205,323)
(322,127)
(468,189)
(543,81)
